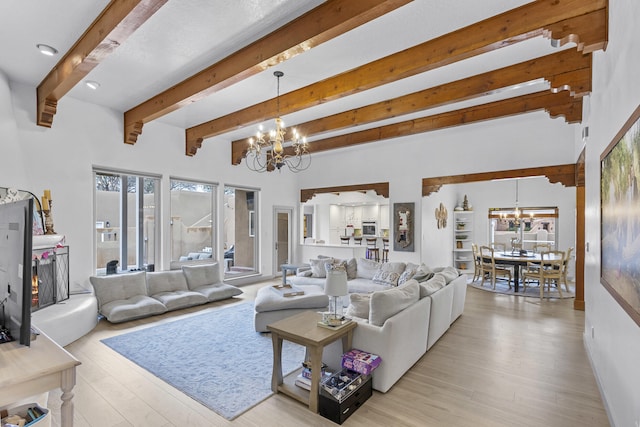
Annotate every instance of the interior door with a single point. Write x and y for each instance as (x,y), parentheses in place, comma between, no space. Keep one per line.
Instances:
(282,232)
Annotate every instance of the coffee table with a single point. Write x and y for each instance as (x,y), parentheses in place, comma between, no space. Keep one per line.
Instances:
(303,329)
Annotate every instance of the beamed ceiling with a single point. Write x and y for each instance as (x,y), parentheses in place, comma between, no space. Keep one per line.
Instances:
(355,71)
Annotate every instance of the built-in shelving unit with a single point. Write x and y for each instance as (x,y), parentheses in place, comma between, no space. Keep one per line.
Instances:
(462,240)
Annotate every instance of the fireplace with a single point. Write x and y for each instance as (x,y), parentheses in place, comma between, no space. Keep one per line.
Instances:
(50,277)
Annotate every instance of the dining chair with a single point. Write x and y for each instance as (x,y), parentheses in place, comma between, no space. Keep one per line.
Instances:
(541,247)
(489,267)
(372,249)
(501,247)
(547,272)
(385,249)
(565,268)
(477,267)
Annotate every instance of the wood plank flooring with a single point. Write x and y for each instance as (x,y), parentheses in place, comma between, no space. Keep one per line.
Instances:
(508,361)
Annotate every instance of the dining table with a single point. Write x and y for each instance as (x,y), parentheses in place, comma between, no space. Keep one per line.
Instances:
(517,259)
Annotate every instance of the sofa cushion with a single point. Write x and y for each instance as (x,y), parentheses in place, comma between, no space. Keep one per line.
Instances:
(423,273)
(385,304)
(449,273)
(352,268)
(389,273)
(367,268)
(218,291)
(118,287)
(359,306)
(437,282)
(201,275)
(166,281)
(135,307)
(318,268)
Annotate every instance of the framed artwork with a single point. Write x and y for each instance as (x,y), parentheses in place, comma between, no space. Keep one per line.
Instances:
(620,219)
(403,220)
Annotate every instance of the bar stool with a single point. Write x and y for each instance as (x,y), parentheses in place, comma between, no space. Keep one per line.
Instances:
(385,249)
(345,240)
(357,240)
(372,249)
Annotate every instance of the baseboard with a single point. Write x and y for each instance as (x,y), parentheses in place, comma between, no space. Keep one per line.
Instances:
(598,383)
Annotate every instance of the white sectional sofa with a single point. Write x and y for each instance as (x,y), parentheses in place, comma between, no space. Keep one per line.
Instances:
(398,323)
(123,297)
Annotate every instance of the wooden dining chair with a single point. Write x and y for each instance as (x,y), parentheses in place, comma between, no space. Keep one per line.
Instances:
(501,247)
(490,269)
(372,249)
(565,268)
(547,272)
(477,267)
(541,247)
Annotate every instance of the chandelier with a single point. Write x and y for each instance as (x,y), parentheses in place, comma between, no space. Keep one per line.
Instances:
(266,152)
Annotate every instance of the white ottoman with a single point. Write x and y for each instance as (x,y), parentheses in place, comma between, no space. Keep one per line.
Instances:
(270,306)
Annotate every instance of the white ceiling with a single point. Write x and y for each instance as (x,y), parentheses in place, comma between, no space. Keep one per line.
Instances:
(185,36)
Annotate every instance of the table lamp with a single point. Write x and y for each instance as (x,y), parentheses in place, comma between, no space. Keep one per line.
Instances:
(336,287)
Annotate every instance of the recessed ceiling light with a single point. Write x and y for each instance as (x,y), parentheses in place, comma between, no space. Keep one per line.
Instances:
(92,84)
(46,49)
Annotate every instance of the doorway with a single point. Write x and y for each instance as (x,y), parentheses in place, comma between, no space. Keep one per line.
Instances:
(282,236)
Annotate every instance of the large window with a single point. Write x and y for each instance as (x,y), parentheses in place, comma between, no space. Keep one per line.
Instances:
(241,231)
(531,226)
(193,207)
(126,214)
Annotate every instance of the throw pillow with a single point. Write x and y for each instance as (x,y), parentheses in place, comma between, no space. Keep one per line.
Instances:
(359,306)
(367,268)
(317,267)
(387,303)
(352,268)
(423,273)
(335,265)
(409,271)
(201,275)
(432,285)
(389,273)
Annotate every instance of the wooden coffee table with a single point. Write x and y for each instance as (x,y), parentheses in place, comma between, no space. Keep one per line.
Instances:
(303,329)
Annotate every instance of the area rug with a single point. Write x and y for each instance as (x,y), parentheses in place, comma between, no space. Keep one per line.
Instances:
(532,291)
(216,358)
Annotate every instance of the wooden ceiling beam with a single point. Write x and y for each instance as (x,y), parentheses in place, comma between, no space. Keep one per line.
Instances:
(566,70)
(380,188)
(564,174)
(327,21)
(556,104)
(114,25)
(553,18)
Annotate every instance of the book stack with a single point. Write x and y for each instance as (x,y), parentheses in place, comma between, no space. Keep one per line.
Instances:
(303,379)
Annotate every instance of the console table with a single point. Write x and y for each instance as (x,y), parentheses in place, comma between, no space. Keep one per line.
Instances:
(303,329)
(28,371)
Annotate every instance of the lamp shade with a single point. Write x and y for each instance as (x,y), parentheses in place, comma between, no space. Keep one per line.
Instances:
(336,283)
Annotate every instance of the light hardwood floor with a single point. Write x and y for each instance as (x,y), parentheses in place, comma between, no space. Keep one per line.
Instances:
(507,361)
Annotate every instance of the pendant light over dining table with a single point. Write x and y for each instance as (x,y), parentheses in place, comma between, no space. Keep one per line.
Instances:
(272,150)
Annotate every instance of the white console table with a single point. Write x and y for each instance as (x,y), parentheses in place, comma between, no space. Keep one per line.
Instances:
(28,371)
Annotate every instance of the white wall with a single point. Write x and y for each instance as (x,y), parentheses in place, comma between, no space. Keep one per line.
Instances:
(615,347)
(85,135)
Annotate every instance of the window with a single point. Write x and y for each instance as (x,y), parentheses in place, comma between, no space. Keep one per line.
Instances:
(241,231)
(193,207)
(126,213)
(530,225)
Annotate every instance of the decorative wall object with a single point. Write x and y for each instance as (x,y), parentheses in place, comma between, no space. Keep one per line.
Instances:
(620,226)
(441,216)
(403,214)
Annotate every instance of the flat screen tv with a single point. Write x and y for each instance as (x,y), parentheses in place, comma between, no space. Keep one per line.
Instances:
(16,236)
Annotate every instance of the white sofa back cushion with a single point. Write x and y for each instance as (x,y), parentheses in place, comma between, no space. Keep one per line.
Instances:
(166,281)
(387,303)
(201,275)
(118,286)
(367,268)
(359,306)
(437,282)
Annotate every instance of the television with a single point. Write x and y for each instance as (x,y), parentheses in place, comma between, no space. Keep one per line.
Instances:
(16,226)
